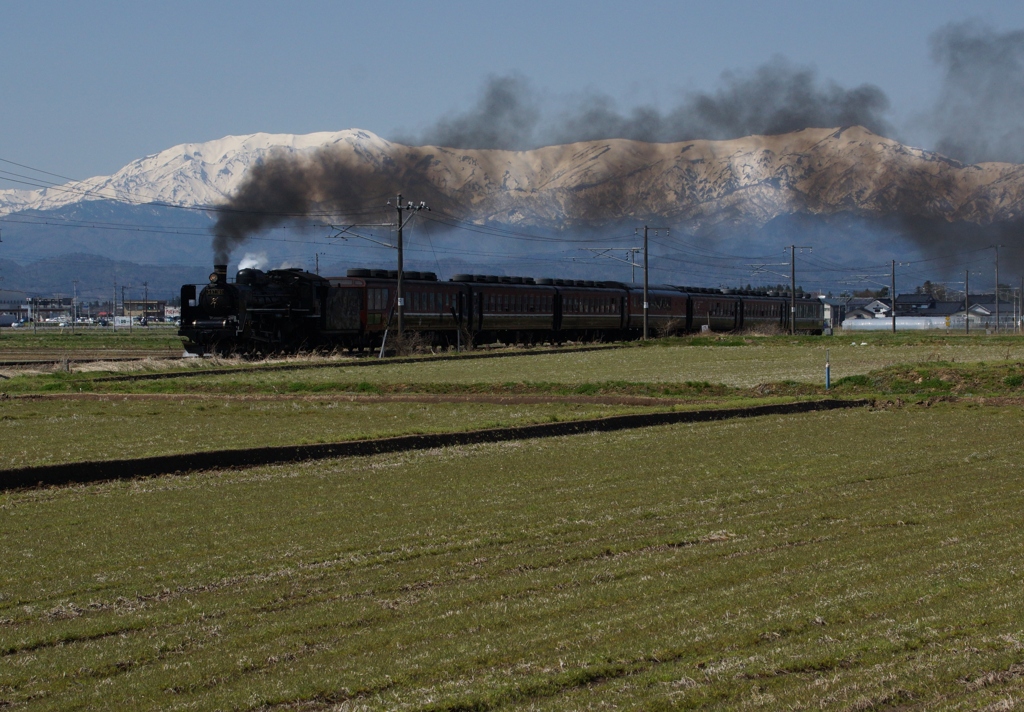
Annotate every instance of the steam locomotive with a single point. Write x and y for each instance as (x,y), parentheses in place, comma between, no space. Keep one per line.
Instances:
(290,310)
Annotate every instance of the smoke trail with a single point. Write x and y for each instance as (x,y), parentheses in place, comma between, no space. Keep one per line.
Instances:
(978,116)
(775,98)
(289,187)
(505,116)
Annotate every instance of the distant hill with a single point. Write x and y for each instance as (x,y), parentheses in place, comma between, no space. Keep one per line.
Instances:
(853,192)
(97,277)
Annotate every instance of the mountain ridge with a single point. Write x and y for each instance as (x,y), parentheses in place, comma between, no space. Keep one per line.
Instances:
(737,192)
(751,179)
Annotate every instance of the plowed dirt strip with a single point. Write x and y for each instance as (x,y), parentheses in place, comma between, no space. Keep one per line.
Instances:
(82,472)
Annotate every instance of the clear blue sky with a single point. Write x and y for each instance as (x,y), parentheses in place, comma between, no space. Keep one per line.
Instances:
(88,87)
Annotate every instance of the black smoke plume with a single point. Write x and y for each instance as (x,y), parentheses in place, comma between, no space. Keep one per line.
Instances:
(288,187)
(506,116)
(979,115)
(775,98)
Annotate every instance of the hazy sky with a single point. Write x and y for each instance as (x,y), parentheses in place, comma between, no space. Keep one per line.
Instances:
(87,87)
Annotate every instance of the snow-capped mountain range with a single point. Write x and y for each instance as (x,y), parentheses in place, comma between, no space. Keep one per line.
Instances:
(844,189)
(187,175)
(750,180)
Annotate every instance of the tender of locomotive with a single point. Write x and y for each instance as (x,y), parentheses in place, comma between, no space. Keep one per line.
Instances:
(291,310)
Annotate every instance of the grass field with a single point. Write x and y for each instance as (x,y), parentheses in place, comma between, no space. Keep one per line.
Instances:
(157,337)
(733,362)
(760,563)
(39,432)
(849,560)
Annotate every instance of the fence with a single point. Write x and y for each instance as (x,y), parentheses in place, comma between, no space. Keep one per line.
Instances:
(1007,323)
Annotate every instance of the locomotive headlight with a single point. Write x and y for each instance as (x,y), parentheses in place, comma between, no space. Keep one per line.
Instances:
(214,277)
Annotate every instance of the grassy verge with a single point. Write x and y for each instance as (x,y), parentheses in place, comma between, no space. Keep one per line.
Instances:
(764,563)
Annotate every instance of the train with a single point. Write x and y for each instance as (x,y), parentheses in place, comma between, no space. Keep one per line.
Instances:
(292,310)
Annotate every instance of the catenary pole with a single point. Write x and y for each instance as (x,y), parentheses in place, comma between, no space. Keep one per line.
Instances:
(645,283)
(399,297)
(646,274)
(792,285)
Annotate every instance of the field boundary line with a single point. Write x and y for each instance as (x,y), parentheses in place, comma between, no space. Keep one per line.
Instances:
(102,470)
(355,363)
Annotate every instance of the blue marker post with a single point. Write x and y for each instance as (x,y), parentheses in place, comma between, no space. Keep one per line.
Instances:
(828,372)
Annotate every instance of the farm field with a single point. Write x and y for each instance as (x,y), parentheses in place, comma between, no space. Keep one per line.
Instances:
(88,342)
(734,362)
(857,559)
(48,431)
(758,563)
(740,365)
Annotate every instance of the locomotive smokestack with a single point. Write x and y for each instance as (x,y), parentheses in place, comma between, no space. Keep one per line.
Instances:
(220,272)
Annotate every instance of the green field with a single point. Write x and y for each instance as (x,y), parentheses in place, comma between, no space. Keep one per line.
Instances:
(156,337)
(849,560)
(762,563)
(40,432)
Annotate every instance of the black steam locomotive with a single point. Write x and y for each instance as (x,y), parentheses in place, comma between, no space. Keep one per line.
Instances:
(289,310)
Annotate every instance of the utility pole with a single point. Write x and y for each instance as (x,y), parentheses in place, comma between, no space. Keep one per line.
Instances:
(74,306)
(996,248)
(647,273)
(145,304)
(399,299)
(967,301)
(113,308)
(124,309)
(792,286)
(892,294)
